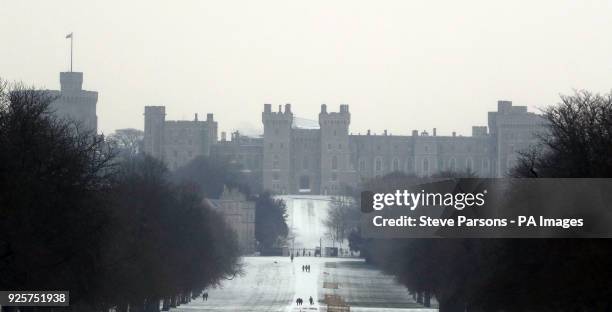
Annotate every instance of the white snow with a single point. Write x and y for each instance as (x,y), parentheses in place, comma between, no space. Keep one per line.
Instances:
(273,284)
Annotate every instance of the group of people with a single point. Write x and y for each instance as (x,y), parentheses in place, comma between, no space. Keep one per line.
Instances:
(300,301)
(306,268)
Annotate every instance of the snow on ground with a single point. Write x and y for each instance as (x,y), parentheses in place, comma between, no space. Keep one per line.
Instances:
(267,285)
(274,283)
(305,216)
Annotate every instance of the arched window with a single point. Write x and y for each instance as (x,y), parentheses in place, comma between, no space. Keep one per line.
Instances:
(396,166)
(425,167)
(485,165)
(452,164)
(362,165)
(378,164)
(334,162)
(409,165)
(469,164)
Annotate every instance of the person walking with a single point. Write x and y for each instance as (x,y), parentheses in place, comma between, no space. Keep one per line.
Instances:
(311,300)
(205,296)
(303,268)
(291,257)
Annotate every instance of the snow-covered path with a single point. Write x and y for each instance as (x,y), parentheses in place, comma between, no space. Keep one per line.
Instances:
(273,284)
(306,284)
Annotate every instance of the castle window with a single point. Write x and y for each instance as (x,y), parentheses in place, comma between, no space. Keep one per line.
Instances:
(469,164)
(396,166)
(485,164)
(304,184)
(362,165)
(334,163)
(409,165)
(452,164)
(425,167)
(378,164)
(275,162)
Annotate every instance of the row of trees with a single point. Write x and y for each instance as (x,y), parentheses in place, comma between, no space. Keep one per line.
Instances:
(115,232)
(517,274)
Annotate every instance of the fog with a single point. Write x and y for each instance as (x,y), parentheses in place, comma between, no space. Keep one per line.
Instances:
(420,64)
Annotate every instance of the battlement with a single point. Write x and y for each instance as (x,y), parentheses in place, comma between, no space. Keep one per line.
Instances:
(280,116)
(343,116)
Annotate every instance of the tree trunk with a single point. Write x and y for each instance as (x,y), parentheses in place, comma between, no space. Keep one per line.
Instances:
(152,305)
(427,300)
(166,304)
(173,302)
(122,308)
(419,297)
(451,305)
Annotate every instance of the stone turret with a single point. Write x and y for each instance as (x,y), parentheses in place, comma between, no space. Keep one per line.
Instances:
(335,154)
(277,172)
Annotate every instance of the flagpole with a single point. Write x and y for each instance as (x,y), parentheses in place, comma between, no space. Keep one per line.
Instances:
(71,36)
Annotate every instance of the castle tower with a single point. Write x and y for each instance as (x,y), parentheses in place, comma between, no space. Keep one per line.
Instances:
(277,148)
(155,117)
(76,104)
(335,155)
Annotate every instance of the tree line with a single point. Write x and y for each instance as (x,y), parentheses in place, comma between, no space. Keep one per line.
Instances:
(117,232)
(474,274)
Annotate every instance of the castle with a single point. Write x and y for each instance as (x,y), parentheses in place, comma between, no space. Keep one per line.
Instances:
(73,103)
(297,156)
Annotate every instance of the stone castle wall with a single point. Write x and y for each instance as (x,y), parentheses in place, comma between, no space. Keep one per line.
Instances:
(296,158)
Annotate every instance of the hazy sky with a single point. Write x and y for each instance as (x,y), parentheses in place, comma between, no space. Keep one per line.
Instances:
(400,65)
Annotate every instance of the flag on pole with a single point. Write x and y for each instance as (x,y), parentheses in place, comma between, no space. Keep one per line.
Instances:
(69,35)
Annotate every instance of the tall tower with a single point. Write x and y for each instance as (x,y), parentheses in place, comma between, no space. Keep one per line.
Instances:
(76,104)
(277,148)
(155,118)
(335,156)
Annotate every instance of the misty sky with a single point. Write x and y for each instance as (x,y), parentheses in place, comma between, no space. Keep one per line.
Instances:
(400,65)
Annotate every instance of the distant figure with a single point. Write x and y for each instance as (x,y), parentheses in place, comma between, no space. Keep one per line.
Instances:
(205,296)
(299,301)
(303,268)
(311,301)
(291,257)
(304,252)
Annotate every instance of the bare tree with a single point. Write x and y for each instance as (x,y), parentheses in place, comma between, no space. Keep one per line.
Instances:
(128,142)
